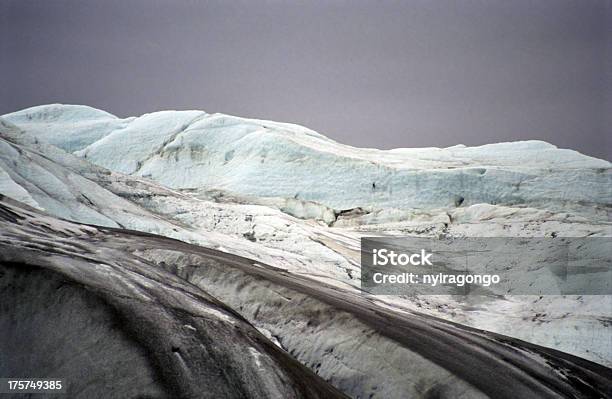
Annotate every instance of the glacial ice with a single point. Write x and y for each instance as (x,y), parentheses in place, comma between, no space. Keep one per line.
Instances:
(269,191)
(70,127)
(11,189)
(192,149)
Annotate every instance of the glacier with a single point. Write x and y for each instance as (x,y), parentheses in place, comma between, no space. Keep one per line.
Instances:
(283,195)
(193,149)
(139,304)
(78,304)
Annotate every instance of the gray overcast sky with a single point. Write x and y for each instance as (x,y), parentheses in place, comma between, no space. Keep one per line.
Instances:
(367,73)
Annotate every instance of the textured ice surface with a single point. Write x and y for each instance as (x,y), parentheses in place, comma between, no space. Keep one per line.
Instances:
(10,188)
(70,127)
(192,149)
(141,140)
(248,178)
(77,304)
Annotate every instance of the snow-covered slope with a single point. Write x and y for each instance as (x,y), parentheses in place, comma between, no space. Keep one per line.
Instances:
(78,305)
(192,149)
(71,127)
(256,221)
(46,177)
(50,179)
(138,304)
